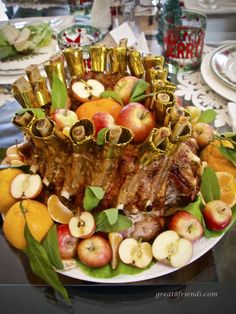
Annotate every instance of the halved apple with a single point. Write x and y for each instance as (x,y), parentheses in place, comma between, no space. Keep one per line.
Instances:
(169,248)
(135,253)
(82,226)
(85,91)
(26,185)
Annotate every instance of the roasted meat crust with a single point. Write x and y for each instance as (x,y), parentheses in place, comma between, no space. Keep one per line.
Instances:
(143,191)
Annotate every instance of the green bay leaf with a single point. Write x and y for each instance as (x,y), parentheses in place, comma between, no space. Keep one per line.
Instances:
(113,95)
(102,223)
(50,244)
(101,136)
(112,215)
(58,93)
(207,116)
(194,208)
(41,265)
(229,153)
(210,188)
(139,89)
(93,195)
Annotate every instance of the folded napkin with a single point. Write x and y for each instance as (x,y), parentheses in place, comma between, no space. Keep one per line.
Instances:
(232,114)
(124,31)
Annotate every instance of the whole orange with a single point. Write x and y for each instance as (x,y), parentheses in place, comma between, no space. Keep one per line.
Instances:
(88,109)
(6,178)
(37,217)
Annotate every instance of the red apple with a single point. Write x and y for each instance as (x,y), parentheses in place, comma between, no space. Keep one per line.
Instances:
(138,119)
(203,133)
(64,118)
(102,120)
(66,242)
(124,87)
(186,225)
(217,215)
(94,251)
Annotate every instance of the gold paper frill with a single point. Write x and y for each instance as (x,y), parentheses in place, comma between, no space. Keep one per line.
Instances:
(135,62)
(157,145)
(24,94)
(125,137)
(75,61)
(88,131)
(118,60)
(151,61)
(161,102)
(23,121)
(98,55)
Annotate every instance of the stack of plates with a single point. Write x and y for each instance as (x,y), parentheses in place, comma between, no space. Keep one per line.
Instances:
(218,70)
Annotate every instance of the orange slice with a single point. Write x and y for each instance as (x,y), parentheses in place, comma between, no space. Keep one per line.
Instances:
(227,187)
(58,211)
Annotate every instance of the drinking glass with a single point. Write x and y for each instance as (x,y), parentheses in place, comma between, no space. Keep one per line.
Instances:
(183,34)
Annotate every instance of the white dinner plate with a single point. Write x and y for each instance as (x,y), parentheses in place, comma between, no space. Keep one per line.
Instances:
(157,270)
(223,64)
(211,80)
(16,67)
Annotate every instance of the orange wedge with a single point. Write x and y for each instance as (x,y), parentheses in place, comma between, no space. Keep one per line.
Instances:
(227,187)
(58,211)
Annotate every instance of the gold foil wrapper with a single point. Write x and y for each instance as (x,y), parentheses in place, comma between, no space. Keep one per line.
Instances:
(33,74)
(135,62)
(163,85)
(74,60)
(173,114)
(24,127)
(152,148)
(160,107)
(118,59)
(48,70)
(88,128)
(124,139)
(23,93)
(151,61)
(98,55)
(41,92)
(157,73)
(57,66)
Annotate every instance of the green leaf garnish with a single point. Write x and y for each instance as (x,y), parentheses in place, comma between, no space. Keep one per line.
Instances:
(142,97)
(41,265)
(119,222)
(108,272)
(50,244)
(101,136)
(59,93)
(210,188)
(93,195)
(39,113)
(113,95)
(229,153)
(207,116)
(139,89)
(112,215)
(195,208)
